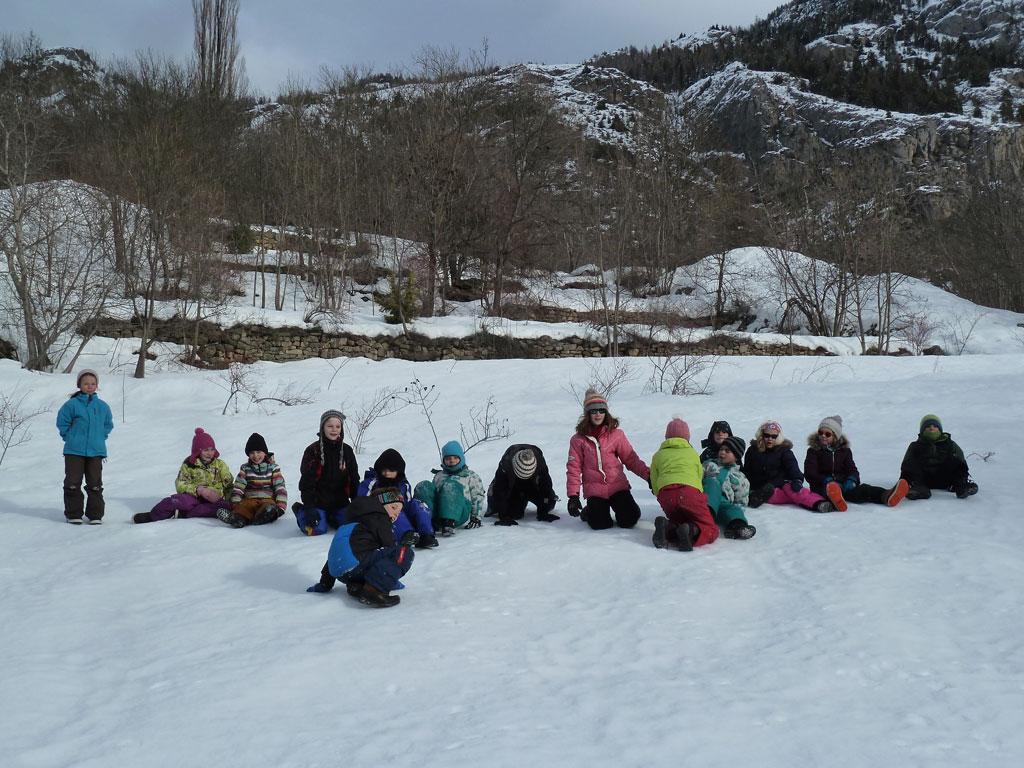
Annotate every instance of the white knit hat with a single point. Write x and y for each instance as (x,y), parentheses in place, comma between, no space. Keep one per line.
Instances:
(524,464)
(833,423)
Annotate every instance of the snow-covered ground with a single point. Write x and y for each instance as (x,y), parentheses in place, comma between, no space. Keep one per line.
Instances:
(873,637)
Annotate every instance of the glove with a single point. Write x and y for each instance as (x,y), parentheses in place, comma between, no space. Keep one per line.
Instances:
(546,517)
(318,587)
(474,522)
(849,484)
(796,485)
(574,506)
(505,522)
(409,539)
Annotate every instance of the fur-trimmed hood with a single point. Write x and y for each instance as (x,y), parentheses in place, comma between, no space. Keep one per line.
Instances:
(814,445)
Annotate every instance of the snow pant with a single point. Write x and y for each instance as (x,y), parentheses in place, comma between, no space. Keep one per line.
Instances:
(685,504)
(314,521)
(951,475)
(447,502)
(724,511)
(75,505)
(597,512)
(382,568)
(513,506)
(249,509)
(805,497)
(415,516)
(863,493)
(186,505)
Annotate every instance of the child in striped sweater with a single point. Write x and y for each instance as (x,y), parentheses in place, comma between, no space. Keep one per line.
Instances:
(259,495)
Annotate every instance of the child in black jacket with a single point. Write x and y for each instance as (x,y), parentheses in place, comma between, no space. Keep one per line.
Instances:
(522,477)
(364,554)
(935,461)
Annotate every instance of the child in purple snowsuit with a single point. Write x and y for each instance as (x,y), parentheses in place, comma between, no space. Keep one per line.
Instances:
(203,485)
(389,471)
(774,473)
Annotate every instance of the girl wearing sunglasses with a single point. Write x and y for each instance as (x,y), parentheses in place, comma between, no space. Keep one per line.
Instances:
(774,473)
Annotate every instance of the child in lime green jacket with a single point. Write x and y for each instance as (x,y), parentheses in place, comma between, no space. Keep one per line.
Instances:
(202,486)
(677,481)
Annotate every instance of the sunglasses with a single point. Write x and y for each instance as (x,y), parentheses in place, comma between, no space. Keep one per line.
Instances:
(769,437)
(824,433)
(598,410)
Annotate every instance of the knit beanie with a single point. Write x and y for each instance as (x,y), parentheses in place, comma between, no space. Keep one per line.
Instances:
(834,424)
(524,464)
(390,459)
(256,443)
(332,414)
(735,446)
(87,372)
(453,448)
(930,420)
(201,441)
(594,401)
(677,428)
(388,495)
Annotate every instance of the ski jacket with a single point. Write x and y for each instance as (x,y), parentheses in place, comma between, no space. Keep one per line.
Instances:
(676,463)
(262,481)
(472,486)
(505,481)
(776,466)
(329,483)
(735,486)
(373,526)
(216,475)
(84,422)
(371,481)
(823,465)
(596,463)
(924,456)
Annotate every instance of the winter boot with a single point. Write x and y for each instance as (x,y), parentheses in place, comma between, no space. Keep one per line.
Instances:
(966,489)
(897,493)
(447,528)
(370,595)
(660,538)
(354,588)
(427,541)
(74,520)
(229,517)
(824,507)
(546,517)
(686,534)
(268,513)
(918,491)
(142,517)
(739,529)
(834,491)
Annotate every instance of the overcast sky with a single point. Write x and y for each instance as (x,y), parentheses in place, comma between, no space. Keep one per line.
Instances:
(291,39)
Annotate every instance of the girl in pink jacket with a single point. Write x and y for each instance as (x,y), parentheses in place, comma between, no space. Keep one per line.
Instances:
(597,454)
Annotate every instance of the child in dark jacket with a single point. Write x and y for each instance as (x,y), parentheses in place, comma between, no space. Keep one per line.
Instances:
(774,474)
(830,470)
(728,490)
(328,477)
(935,461)
(84,423)
(522,477)
(259,495)
(720,430)
(202,487)
(389,472)
(364,554)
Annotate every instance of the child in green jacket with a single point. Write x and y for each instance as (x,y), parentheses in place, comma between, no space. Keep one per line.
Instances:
(456,495)
(202,487)
(676,479)
(728,489)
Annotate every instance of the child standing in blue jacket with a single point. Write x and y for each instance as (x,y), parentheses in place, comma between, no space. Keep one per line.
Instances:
(84,422)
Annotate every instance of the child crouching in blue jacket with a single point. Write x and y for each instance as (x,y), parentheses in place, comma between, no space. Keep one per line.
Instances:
(389,471)
(364,554)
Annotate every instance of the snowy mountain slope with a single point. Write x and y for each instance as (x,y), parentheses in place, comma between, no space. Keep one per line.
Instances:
(876,636)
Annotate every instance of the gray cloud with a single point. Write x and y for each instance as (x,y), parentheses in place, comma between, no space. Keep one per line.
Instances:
(282,40)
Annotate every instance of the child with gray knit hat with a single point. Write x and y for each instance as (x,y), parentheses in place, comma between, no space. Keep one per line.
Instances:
(328,479)
(522,478)
(935,462)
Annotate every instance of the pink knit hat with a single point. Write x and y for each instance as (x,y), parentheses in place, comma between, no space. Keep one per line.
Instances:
(200,441)
(677,428)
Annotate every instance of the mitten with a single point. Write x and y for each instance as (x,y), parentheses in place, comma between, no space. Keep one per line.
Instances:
(796,485)
(318,587)
(474,522)
(505,522)
(574,506)
(849,484)
(546,517)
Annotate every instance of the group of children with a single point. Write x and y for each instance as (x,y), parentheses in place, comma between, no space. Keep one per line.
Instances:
(381,518)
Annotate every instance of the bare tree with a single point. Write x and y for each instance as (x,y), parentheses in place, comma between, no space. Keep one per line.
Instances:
(14,419)
(218,70)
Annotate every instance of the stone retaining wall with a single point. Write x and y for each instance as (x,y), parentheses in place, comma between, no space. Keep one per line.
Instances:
(218,346)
